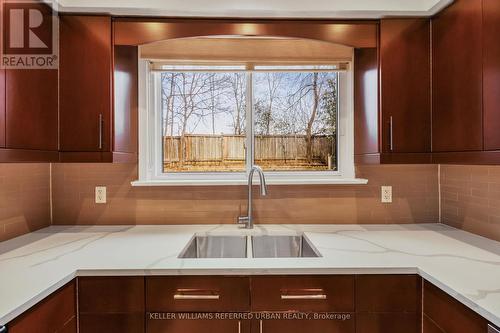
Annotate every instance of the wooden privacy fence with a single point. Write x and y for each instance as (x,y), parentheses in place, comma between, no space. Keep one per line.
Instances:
(219,148)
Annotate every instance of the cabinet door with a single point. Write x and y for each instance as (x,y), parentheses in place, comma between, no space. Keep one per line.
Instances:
(56,313)
(442,312)
(197,326)
(31,109)
(85,83)
(405,85)
(457,78)
(388,303)
(2,107)
(491,74)
(366,115)
(111,304)
(301,326)
(125,99)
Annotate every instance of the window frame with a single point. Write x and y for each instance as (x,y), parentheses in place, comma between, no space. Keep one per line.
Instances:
(151,150)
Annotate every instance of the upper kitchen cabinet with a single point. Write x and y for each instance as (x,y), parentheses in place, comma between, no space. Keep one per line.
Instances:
(457,69)
(94,78)
(491,74)
(2,108)
(405,87)
(125,102)
(85,88)
(366,126)
(31,110)
(397,74)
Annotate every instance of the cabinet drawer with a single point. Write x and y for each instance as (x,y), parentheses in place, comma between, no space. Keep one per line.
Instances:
(303,293)
(388,323)
(111,294)
(197,293)
(197,326)
(301,326)
(112,323)
(388,293)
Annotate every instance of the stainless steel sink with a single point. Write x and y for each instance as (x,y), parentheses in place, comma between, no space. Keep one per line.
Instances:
(299,246)
(216,247)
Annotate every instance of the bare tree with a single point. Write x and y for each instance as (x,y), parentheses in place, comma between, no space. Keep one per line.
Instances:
(238,94)
(306,97)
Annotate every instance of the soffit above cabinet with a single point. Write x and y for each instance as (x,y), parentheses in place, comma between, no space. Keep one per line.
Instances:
(326,9)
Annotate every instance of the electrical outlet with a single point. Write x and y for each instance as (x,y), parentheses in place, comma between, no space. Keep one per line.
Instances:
(100,194)
(386,194)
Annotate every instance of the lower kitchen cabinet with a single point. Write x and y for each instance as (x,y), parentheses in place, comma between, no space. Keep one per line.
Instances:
(197,326)
(111,304)
(301,326)
(303,293)
(388,303)
(256,304)
(444,314)
(55,314)
(388,323)
(112,322)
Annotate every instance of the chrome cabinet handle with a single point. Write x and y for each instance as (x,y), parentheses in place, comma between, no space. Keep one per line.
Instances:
(196,297)
(292,297)
(492,329)
(391,134)
(100,131)
(239,326)
(261,329)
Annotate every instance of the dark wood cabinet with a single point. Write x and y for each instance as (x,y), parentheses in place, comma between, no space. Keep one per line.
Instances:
(31,109)
(491,74)
(29,113)
(405,91)
(442,313)
(457,121)
(392,95)
(197,294)
(85,85)
(55,314)
(257,304)
(366,109)
(388,303)
(305,293)
(125,100)
(306,325)
(197,326)
(111,304)
(2,107)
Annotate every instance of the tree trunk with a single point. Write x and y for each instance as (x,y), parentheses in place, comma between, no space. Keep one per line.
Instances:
(310,123)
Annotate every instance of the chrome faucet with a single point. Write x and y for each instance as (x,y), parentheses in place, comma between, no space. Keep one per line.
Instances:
(247,220)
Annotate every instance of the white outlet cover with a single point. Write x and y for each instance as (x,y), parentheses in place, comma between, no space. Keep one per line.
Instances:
(100,194)
(386,194)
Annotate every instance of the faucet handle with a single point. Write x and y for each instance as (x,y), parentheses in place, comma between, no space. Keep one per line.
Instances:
(243,219)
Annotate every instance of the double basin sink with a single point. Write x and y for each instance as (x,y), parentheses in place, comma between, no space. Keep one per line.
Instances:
(257,246)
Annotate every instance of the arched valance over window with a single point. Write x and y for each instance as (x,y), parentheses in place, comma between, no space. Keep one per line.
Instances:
(138,31)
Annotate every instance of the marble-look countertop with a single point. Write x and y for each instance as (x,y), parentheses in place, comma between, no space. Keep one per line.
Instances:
(465,266)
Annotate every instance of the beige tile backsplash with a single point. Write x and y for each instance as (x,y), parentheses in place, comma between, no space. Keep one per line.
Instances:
(470,198)
(24,198)
(415,199)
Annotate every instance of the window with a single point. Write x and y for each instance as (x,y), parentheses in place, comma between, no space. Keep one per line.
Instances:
(208,124)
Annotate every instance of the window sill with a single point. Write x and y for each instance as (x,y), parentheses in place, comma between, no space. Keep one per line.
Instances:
(230,182)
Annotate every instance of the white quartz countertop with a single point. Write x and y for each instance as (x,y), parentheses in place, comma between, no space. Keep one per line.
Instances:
(464,265)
